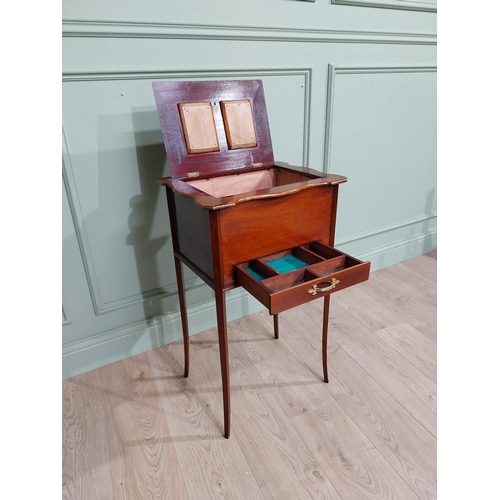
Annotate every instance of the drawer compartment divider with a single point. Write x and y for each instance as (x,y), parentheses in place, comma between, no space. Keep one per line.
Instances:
(319,271)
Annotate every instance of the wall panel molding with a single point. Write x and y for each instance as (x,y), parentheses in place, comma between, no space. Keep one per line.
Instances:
(99,29)
(416,5)
(99,305)
(345,70)
(81,76)
(65,320)
(386,228)
(78,223)
(383,69)
(399,248)
(83,243)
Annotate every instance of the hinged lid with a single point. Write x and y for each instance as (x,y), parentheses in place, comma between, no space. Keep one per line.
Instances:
(213,127)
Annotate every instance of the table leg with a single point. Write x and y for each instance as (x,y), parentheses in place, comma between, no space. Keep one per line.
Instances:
(184,320)
(276,327)
(220,304)
(326,312)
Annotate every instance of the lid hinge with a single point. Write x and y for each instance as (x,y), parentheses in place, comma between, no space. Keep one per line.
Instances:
(193,174)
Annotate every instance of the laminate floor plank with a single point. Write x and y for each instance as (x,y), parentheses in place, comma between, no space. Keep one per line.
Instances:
(280,461)
(406,383)
(213,467)
(351,462)
(420,315)
(422,266)
(138,429)
(414,346)
(404,442)
(368,310)
(143,459)
(363,307)
(415,291)
(86,470)
(297,325)
(421,299)
(410,278)
(432,254)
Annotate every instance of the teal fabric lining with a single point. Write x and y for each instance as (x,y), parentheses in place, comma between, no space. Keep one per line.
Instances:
(282,265)
(255,273)
(287,264)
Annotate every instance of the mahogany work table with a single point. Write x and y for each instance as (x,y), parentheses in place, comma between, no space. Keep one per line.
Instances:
(238,218)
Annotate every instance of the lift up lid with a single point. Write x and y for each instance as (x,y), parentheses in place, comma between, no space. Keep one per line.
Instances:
(213,127)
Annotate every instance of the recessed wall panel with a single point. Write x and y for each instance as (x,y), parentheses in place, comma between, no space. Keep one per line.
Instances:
(116,153)
(383,138)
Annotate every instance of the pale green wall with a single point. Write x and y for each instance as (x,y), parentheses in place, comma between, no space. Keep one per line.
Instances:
(350,89)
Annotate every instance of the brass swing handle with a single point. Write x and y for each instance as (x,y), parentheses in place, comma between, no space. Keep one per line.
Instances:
(315,289)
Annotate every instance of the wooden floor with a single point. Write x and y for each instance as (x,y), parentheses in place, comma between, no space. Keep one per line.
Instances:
(138,429)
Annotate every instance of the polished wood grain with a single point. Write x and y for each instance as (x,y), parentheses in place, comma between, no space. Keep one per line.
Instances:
(276,326)
(262,227)
(168,94)
(192,242)
(310,179)
(324,338)
(140,429)
(212,242)
(326,274)
(217,132)
(183,311)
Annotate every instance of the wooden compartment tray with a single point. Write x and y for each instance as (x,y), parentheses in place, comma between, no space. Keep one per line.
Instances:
(298,275)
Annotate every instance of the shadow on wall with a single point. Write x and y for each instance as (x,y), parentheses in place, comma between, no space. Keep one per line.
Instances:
(151,159)
(119,284)
(150,206)
(151,164)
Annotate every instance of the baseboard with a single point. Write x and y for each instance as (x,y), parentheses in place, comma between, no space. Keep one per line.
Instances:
(400,251)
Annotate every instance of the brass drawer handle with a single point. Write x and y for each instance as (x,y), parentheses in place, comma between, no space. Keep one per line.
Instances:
(315,289)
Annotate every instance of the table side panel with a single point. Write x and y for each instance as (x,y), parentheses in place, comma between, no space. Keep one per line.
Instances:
(193,229)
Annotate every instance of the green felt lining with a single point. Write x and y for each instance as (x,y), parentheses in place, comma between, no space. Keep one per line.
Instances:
(282,265)
(255,273)
(287,264)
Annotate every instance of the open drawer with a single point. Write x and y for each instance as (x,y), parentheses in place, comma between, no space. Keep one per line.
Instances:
(287,279)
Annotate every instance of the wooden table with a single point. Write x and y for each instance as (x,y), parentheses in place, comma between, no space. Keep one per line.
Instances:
(238,218)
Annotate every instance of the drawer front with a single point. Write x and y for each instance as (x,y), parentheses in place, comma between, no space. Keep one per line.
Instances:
(305,292)
(299,275)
